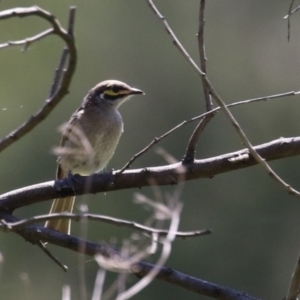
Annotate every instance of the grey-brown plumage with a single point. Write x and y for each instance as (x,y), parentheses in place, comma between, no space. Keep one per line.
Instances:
(90,139)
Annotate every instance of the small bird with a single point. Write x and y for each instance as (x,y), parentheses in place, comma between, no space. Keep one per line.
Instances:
(89,139)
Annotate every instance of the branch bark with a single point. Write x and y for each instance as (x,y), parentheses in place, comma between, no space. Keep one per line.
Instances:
(67,76)
(164,175)
(35,233)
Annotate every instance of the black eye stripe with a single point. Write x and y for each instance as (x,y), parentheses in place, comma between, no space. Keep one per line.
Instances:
(115,88)
(111,97)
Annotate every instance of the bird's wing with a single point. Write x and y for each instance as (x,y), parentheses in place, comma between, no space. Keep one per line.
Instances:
(60,173)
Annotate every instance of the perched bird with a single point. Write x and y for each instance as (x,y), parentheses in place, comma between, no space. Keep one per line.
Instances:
(89,139)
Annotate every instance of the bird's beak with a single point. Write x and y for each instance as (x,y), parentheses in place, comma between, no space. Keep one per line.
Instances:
(135,91)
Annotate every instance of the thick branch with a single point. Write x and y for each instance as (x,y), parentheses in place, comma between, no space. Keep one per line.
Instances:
(165,175)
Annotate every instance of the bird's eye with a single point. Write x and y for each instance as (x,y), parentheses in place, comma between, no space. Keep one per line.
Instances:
(115,89)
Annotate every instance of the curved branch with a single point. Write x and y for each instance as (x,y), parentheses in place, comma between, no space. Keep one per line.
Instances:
(105,219)
(53,100)
(26,42)
(34,234)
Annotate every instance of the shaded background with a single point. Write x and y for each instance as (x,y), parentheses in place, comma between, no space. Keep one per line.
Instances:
(256,224)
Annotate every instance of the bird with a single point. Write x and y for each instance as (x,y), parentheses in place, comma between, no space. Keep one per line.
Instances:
(89,140)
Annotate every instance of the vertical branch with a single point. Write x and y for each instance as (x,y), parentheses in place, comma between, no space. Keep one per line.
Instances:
(71,20)
(59,72)
(294,289)
(190,153)
(63,60)
(191,149)
(289,19)
(202,55)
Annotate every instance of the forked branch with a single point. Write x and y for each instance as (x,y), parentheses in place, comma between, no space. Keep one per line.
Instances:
(63,78)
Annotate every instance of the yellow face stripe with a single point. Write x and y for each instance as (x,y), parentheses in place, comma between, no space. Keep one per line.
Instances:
(112,93)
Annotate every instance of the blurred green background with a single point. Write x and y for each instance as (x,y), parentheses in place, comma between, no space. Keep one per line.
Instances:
(256,224)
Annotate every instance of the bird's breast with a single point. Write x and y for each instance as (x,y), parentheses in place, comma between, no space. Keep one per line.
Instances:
(100,134)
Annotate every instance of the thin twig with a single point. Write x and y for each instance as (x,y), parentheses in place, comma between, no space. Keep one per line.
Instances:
(54,258)
(28,41)
(191,148)
(157,139)
(59,72)
(51,102)
(165,253)
(291,12)
(71,20)
(252,150)
(99,285)
(105,219)
(176,42)
(289,19)
(228,114)
(189,156)
(294,288)
(202,55)
(141,269)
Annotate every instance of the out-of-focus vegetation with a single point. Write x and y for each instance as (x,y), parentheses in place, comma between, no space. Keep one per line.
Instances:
(256,224)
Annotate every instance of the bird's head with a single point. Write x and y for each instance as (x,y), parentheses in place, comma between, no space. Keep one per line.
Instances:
(112,93)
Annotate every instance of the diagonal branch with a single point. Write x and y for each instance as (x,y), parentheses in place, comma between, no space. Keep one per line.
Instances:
(53,100)
(28,41)
(226,111)
(176,42)
(34,234)
(55,259)
(157,139)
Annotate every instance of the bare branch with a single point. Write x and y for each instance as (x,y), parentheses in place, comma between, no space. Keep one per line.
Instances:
(101,218)
(203,59)
(166,251)
(252,150)
(157,139)
(288,17)
(191,149)
(226,111)
(99,284)
(165,175)
(52,101)
(294,288)
(71,20)
(59,72)
(176,42)
(28,41)
(35,233)
(55,259)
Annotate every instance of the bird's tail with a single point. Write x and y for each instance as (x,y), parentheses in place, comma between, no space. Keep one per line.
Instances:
(58,206)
